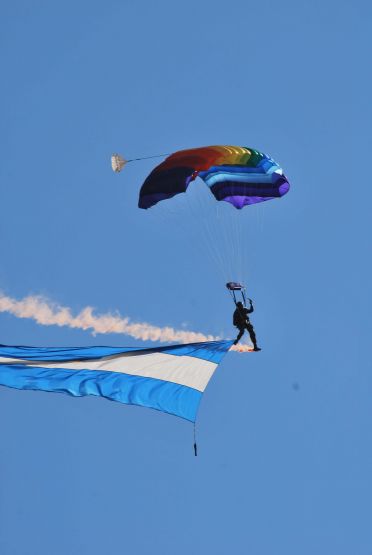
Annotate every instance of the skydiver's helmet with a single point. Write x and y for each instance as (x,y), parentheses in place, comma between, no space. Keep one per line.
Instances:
(239,304)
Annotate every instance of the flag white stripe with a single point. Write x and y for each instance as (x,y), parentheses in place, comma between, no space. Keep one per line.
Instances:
(184,370)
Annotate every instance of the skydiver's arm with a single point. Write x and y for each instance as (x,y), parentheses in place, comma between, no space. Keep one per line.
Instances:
(250,309)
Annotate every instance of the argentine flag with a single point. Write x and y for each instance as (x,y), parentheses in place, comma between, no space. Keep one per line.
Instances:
(171,379)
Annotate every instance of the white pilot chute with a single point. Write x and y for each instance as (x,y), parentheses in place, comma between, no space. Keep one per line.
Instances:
(117,163)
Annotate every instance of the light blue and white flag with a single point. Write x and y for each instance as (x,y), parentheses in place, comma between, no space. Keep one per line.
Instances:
(171,379)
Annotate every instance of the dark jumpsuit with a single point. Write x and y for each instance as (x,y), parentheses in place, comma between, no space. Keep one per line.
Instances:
(241,321)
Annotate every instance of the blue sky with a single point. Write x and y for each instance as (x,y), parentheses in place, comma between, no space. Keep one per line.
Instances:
(284,435)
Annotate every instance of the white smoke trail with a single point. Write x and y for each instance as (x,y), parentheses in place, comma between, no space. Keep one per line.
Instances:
(47,313)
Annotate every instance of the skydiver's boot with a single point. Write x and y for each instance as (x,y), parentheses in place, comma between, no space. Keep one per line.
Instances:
(252,335)
(256,347)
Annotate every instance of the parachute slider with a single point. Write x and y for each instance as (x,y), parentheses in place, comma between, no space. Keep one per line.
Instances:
(234,286)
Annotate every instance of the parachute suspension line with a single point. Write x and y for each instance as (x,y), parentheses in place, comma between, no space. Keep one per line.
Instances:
(208,244)
(237,254)
(233,239)
(241,246)
(244,299)
(222,236)
(212,232)
(218,230)
(235,244)
(225,246)
(195,444)
(260,218)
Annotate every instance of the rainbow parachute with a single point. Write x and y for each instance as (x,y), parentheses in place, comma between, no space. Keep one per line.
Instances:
(238,175)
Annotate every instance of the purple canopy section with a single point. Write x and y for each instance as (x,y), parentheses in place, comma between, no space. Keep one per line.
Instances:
(245,194)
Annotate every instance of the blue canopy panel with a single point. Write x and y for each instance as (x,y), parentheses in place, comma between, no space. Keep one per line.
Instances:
(171,379)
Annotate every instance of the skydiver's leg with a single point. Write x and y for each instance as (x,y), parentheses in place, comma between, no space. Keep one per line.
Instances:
(252,335)
(240,335)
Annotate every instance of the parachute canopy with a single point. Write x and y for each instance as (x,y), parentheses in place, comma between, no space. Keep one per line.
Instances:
(238,175)
(171,379)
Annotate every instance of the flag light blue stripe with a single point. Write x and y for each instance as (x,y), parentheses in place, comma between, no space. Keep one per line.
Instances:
(168,397)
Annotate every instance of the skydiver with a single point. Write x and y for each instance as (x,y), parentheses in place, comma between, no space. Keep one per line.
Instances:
(242,322)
